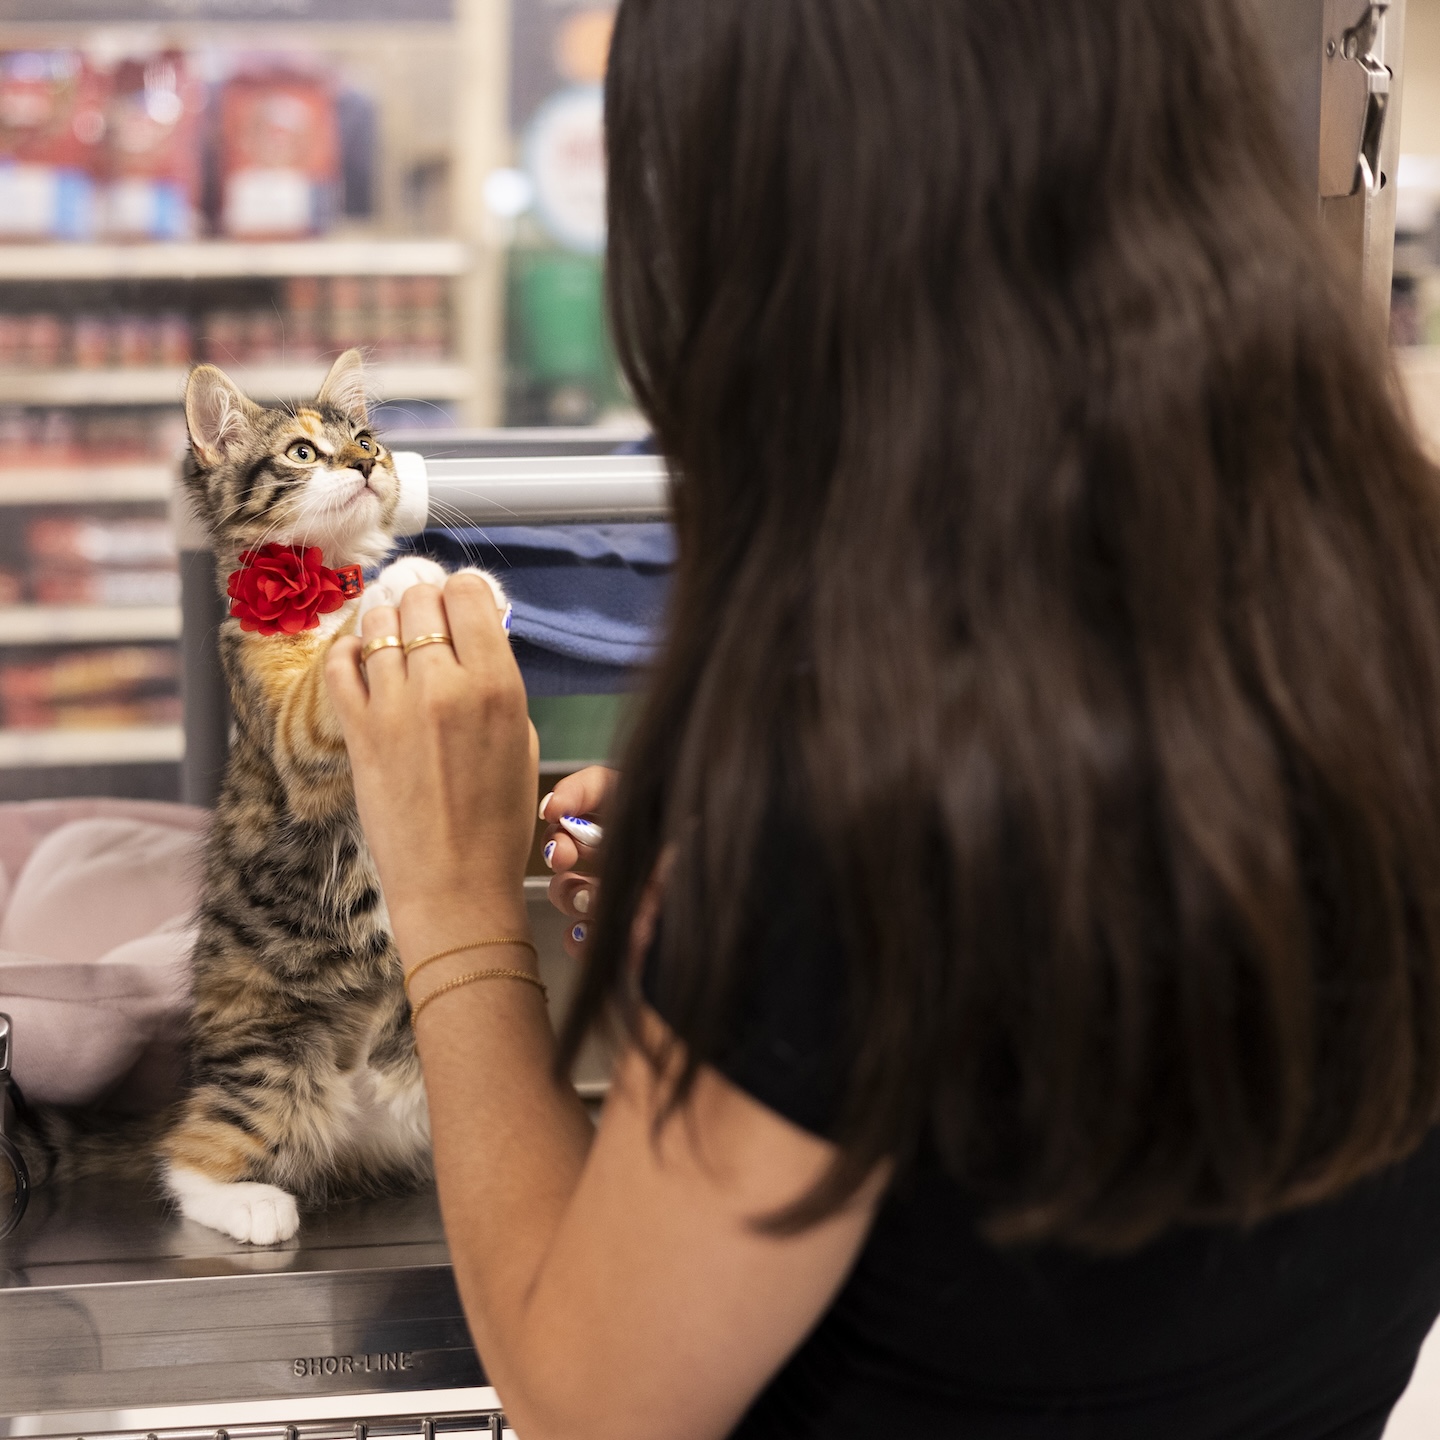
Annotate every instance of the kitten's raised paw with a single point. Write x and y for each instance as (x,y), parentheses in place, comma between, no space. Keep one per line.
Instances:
(251,1213)
(396,578)
(502,601)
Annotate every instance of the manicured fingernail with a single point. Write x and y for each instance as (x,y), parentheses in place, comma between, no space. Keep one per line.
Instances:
(545,804)
(549,852)
(578,934)
(582,901)
(509,619)
(587,832)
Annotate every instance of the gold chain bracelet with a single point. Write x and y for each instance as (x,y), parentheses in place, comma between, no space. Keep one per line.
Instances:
(473,945)
(470,979)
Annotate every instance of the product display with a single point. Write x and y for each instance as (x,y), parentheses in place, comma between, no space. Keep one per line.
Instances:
(52,128)
(153,150)
(31,437)
(108,688)
(263,190)
(279,156)
(93,341)
(82,560)
(306,319)
(106,587)
(121,151)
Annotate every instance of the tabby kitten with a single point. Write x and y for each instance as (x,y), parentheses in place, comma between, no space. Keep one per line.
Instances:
(304,1081)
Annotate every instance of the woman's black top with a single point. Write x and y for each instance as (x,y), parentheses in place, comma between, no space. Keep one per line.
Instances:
(1306,1328)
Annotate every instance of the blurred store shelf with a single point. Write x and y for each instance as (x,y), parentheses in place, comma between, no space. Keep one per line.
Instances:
(166,386)
(1420,366)
(79,484)
(29,749)
(219,260)
(80,624)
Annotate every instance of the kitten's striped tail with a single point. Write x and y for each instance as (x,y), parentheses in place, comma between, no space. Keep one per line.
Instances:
(61,1144)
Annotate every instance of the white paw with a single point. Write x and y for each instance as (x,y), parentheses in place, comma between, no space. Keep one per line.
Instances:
(502,601)
(253,1214)
(394,580)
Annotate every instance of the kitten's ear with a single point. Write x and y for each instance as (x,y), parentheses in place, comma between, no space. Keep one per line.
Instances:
(344,388)
(216,413)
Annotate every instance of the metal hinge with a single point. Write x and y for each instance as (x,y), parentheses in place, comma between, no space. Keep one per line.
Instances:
(1354,99)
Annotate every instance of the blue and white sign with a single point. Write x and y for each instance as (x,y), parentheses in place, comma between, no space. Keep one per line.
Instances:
(565,155)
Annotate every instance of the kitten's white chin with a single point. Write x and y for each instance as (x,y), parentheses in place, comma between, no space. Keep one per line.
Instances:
(353,538)
(367,549)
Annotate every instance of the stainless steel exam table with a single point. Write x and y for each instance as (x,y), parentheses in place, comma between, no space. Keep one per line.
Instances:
(118,1318)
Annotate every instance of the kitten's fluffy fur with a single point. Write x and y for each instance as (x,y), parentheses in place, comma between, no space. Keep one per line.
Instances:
(303,1075)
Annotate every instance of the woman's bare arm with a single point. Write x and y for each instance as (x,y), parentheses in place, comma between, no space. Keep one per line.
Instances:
(614,1284)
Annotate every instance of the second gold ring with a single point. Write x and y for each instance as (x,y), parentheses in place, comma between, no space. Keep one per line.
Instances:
(384,642)
(421,640)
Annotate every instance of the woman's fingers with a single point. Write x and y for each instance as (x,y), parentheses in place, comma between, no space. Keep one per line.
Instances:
(474,621)
(382,620)
(580,794)
(583,793)
(342,675)
(559,851)
(573,895)
(381,666)
(422,617)
(577,940)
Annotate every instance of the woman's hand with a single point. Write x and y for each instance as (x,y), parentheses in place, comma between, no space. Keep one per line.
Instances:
(445,762)
(574,890)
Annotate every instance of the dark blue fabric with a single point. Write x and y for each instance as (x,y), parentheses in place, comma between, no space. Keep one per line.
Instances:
(589,600)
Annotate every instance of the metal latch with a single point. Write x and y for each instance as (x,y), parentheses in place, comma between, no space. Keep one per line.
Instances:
(1354,99)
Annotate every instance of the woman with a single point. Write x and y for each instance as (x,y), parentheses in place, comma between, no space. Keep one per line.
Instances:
(1021,905)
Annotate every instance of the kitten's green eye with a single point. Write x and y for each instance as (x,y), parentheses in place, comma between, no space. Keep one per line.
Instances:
(302,452)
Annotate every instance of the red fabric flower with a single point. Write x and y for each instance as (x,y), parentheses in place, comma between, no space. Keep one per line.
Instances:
(284,589)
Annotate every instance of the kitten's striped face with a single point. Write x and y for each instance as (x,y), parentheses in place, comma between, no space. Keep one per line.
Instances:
(311,475)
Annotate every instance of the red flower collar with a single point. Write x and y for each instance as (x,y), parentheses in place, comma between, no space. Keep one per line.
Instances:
(284,589)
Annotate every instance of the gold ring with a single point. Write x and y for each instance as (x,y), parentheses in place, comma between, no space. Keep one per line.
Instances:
(420,640)
(385,642)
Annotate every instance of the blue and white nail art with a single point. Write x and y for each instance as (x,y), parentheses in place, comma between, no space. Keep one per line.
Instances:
(585,832)
(578,934)
(548,853)
(509,619)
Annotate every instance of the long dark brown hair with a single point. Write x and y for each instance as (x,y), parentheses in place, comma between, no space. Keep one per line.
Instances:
(1049,517)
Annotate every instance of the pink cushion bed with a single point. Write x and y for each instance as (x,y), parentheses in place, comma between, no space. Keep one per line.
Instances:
(97,899)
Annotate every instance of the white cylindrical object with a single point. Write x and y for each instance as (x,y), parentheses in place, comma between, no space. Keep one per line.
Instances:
(539,490)
(413,513)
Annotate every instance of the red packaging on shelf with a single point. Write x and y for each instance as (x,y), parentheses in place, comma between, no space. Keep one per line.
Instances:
(153,155)
(80,540)
(279,155)
(42,342)
(429,327)
(304,317)
(92,344)
(52,122)
(92,715)
(350,320)
(391,318)
(135,337)
(174,343)
(227,337)
(12,339)
(117,670)
(267,344)
(118,588)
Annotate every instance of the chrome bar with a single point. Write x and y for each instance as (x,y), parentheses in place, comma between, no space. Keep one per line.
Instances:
(533,490)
